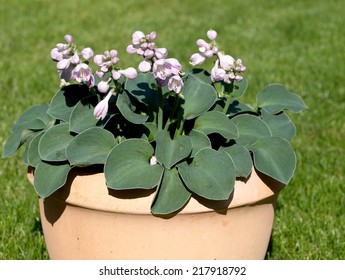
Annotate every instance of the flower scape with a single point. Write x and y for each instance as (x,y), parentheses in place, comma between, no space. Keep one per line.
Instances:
(181,132)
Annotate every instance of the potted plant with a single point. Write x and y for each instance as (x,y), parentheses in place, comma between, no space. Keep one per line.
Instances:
(162,143)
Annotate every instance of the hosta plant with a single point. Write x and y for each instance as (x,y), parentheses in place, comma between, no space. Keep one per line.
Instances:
(181,132)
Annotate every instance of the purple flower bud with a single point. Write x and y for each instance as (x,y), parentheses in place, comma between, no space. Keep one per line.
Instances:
(75,59)
(98,59)
(202,43)
(137,37)
(131,49)
(101,108)
(161,53)
(63,64)
(56,55)
(130,72)
(149,54)
(212,35)
(68,38)
(103,86)
(144,66)
(115,74)
(87,53)
(197,59)
(152,36)
(113,53)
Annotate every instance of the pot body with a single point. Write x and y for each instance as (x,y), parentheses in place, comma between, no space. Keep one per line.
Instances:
(85,220)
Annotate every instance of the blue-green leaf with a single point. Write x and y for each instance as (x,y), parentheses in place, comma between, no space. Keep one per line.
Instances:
(279,124)
(63,102)
(82,117)
(250,128)
(275,98)
(171,194)
(274,157)
(50,177)
(198,97)
(53,143)
(125,106)
(90,147)
(241,158)
(210,175)
(216,122)
(239,88)
(142,89)
(128,166)
(32,154)
(199,141)
(170,151)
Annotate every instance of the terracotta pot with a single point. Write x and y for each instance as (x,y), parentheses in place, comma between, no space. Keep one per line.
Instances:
(85,220)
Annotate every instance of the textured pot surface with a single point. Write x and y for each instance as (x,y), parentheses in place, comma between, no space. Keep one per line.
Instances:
(85,220)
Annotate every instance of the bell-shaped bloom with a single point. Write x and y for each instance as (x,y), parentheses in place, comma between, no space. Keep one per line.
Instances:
(63,64)
(165,68)
(87,53)
(129,73)
(196,59)
(82,73)
(226,61)
(175,84)
(102,107)
(217,74)
(161,53)
(137,38)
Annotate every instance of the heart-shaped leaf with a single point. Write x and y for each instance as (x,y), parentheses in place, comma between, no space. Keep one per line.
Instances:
(53,143)
(279,124)
(198,97)
(32,155)
(63,102)
(50,177)
(216,122)
(168,151)
(241,158)
(171,194)
(250,128)
(199,141)
(274,157)
(90,147)
(141,88)
(125,106)
(128,166)
(239,88)
(275,98)
(210,175)
(82,116)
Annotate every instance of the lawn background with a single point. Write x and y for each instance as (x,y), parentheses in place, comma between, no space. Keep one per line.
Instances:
(300,44)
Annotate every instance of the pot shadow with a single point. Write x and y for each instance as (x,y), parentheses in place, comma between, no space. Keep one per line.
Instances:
(54,205)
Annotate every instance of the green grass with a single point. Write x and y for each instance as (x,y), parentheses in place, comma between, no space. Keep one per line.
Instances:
(300,44)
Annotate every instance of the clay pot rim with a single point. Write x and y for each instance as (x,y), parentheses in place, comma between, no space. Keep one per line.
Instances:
(257,189)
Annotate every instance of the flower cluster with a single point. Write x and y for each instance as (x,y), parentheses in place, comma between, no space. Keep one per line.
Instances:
(167,71)
(226,68)
(69,64)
